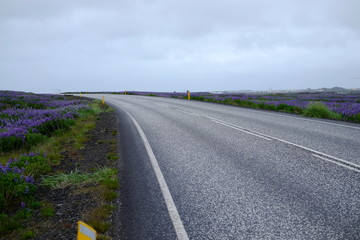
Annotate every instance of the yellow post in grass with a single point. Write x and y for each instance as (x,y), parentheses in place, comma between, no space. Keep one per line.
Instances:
(103,100)
(125,92)
(80,94)
(85,232)
(188,92)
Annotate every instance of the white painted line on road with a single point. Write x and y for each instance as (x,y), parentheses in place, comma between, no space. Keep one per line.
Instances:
(318,154)
(190,113)
(340,161)
(343,165)
(335,159)
(173,212)
(242,130)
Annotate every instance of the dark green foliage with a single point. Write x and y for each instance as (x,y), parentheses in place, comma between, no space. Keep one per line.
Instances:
(288,108)
(10,143)
(355,118)
(51,126)
(229,101)
(33,165)
(198,98)
(16,221)
(319,110)
(111,184)
(109,195)
(15,189)
(8,224)
(14,143)
(27,234)
(47,210)
(32,139)
(20,103)
(245,103)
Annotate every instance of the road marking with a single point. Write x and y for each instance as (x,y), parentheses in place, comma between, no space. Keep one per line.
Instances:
(338,163)
(182,111)
(242,130)
(173,212)
(306,119)
(318,154)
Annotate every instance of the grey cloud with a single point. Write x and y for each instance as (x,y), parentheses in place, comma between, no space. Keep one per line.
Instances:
(177,45)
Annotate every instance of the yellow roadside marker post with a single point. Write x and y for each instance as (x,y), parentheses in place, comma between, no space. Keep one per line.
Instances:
(125,92)
(85,232)
(80,94)
(103,100)
(188,92)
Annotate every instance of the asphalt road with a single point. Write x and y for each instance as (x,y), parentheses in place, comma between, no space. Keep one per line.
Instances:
(234,173)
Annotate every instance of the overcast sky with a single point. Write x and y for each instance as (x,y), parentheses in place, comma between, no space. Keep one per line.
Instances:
(177,45)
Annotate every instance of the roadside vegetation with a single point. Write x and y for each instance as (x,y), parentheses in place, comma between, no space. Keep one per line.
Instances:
(46,169)
(327,105)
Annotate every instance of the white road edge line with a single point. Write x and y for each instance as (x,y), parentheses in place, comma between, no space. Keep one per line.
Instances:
(239,129)
(343,165)
(173,212)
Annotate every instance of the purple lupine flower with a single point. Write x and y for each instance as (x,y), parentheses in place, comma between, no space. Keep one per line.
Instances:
(23,205)
(29,179)
(5,169)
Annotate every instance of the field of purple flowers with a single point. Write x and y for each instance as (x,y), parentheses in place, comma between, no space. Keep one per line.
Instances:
(338,106)
(25,120)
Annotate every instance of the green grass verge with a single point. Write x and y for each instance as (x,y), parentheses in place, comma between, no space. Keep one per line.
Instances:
(320,110)
(69,139)
(75,178)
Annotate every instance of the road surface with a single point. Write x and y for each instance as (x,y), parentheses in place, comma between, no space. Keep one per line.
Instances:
(211,171)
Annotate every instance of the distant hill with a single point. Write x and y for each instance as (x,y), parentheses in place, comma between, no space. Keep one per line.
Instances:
(340,90)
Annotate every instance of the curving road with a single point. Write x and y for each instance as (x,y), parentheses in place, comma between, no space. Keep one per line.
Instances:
(234,173)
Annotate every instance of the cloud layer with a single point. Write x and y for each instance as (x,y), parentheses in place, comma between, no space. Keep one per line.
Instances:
(177,45)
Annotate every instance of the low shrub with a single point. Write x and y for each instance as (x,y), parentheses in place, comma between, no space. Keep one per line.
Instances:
(229,101)
(320,110)
(49,127)
(109,195)
(9,143)
(32,164)
(47,210)
(111,184)
(27,234)
(288,108)
(245,103)
(8,224)
(198,98)
(355,118)
(16,188)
